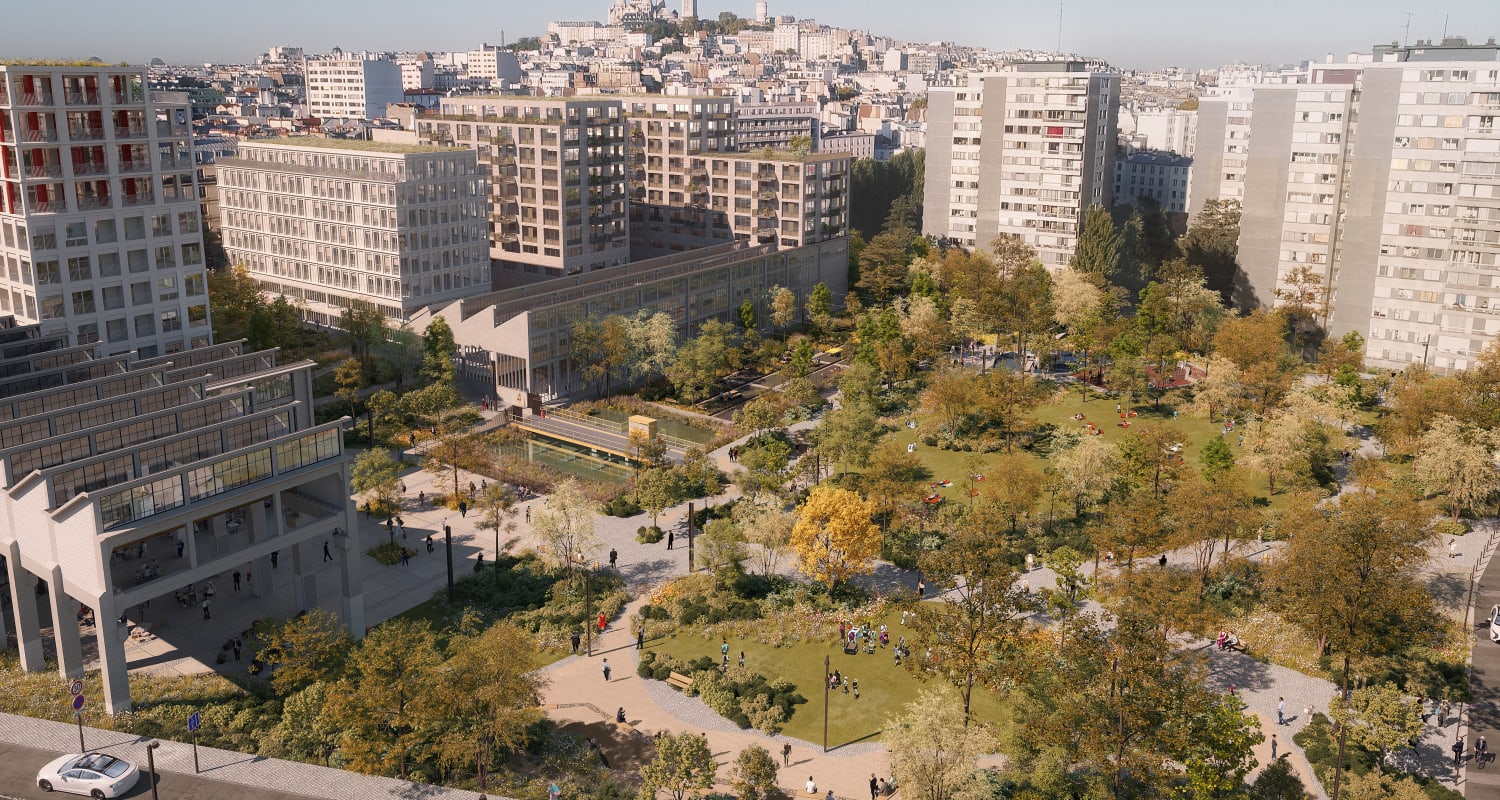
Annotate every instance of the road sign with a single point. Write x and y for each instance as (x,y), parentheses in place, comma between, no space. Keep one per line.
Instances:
(195,721)
(75,688)
(78,703)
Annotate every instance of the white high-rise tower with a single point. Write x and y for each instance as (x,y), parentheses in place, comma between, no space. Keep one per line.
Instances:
(689,8)
(762,13)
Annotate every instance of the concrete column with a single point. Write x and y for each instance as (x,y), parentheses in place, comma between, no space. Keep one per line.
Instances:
(260,577)
(278,518)
(192,544)
(304,580)
(23,603)
(65,627)
(351,582)
(255,521)
(113,669)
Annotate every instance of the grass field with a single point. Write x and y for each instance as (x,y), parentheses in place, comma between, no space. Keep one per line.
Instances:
(884,687)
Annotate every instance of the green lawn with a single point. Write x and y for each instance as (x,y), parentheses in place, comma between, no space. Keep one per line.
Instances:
(1059,410)
(884,687)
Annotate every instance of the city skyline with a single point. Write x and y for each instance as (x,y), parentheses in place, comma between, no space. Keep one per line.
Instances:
(1161,34)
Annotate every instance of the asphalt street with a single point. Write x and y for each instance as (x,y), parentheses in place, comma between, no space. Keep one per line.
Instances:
(1484,683)
(18,766)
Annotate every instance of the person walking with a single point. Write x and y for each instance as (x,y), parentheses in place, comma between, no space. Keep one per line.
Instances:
(429,543)
(606,670)
(236,577)
(640,638)
(1458,752)
(274,554)
(1281,711)
(1481,751)
(921,588)
(1443,713)
(206,615)
(670,537)
(236,648)
(786,754)
(1273,747)
(602,622)
(327,556)
(405,556)
(463,508)
(574,640)
(613,556)
(874,787)
(180,545)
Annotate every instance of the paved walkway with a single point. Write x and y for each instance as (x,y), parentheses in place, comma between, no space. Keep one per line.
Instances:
(236,769)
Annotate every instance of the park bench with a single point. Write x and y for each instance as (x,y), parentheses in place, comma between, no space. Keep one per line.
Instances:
(680,681)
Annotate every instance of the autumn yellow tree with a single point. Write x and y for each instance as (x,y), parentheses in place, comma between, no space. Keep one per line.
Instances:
(834,538)
(1457,462)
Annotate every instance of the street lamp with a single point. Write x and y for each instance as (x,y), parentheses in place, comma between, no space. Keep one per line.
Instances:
(151,766)
(588,601)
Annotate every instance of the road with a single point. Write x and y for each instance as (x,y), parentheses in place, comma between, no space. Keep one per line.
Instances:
(1484,683)
(18,766)
(822,375)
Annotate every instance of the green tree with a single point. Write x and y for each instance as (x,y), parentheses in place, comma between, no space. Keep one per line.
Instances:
(1381,717)
(376,477)
(1217,459)
(723,545)
(308,649)
(1278,781)
(400,354)
(657,489)
(783,307)
(305,729)
(364,328)
(1458,462)
(701,361)
(496,506)
(439,351)
(653,343)
(747,314)
(349,379)
(1098,249)
(565,524)
(763,467)
(382,706)
(487,698)
(1212,245)
(847,437)
(979,624)
(883,264)
(456,450)
(683,766)
(820,305)
(754,775)
(233,298)
(932,746)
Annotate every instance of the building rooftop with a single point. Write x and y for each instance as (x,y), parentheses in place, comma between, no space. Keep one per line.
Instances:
(47,62)
(353,145)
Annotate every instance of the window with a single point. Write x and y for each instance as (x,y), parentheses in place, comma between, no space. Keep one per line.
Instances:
(135,228)
(192,254)
(166,288)
(166,257)
(83,302)
(140,293)
(52,307)
(109,265)
(161,224)
(114,297)
(104,231)
(48,273)
(116,330)
(170,321)
(138,261)
(88,333)
(197,316)
(187,222)
(76,234)
(78,269)
(145,325)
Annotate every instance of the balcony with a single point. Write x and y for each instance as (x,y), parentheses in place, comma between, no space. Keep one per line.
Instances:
(40,135)
(130,132)
(45,171)
(85,134)
(138,199)
(135,166)
(42,99)
(90,168)
(82,98)
(93,203)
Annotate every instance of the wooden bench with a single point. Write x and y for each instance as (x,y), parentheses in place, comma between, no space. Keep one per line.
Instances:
(680,681)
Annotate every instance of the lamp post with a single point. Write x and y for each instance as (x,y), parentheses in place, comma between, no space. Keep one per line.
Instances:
(448,543)
(588,602)
(826,673)
(151,766)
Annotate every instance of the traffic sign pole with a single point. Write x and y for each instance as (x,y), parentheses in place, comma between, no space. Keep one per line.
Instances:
(195,721)
(195,752)
(78,703)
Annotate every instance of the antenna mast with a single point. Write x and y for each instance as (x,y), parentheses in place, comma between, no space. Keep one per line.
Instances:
(1406,37)
(1059,26)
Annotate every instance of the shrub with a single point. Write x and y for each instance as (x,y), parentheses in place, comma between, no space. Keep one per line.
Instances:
(622,506)
(388,553)
(648,534)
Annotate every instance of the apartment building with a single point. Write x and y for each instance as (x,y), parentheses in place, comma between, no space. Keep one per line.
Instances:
(1396,218)
(1023,151)
(356,88)
(494,64)
(334,224)
(556,172)
(100,229)
(691,179)
(1160,176)
(775,123)
(1223,147)
(130,478)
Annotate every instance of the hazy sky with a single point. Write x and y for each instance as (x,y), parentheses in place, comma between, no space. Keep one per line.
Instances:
(1144,33)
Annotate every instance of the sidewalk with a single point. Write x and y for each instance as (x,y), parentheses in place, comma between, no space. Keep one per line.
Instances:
(232,768)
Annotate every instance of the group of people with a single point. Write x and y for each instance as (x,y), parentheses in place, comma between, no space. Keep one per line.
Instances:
(1226,640)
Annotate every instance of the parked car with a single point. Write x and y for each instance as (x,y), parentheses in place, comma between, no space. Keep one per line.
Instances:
(1495,623)
(97,775)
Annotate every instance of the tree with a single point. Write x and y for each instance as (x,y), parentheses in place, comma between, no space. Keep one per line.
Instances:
(933,748)
(383,705)
(820,305)
(1457,461)
(565,524)
(847,437)
(1208,516)
(833,537)
(683,766)
(895,479)
(980,622)
(456,450)
(376,477)
(761,414)
(307,649)
(1074,295)
(496,505)
(1377,785)
(1015,486)
(1381,717)
(1098,249)
(1148,457)
(657,489)
(305,728)
(487,697)
(767,527)
(653,343)
(1089,468)
(1064,561)
(400,354)
(349,378)
(747,315)
(438,352)
(783,307)
(701,361)
(1278,781)
(364,328)
(763,467)
(754,775)
(1217,459)
(601,349)
(722,544)
(1212,245)
(1278,447)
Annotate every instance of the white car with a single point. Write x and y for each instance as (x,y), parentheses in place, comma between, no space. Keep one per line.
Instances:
(1495,623)
(98,775)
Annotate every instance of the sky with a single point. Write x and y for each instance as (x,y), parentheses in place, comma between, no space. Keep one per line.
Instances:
(1141,34)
